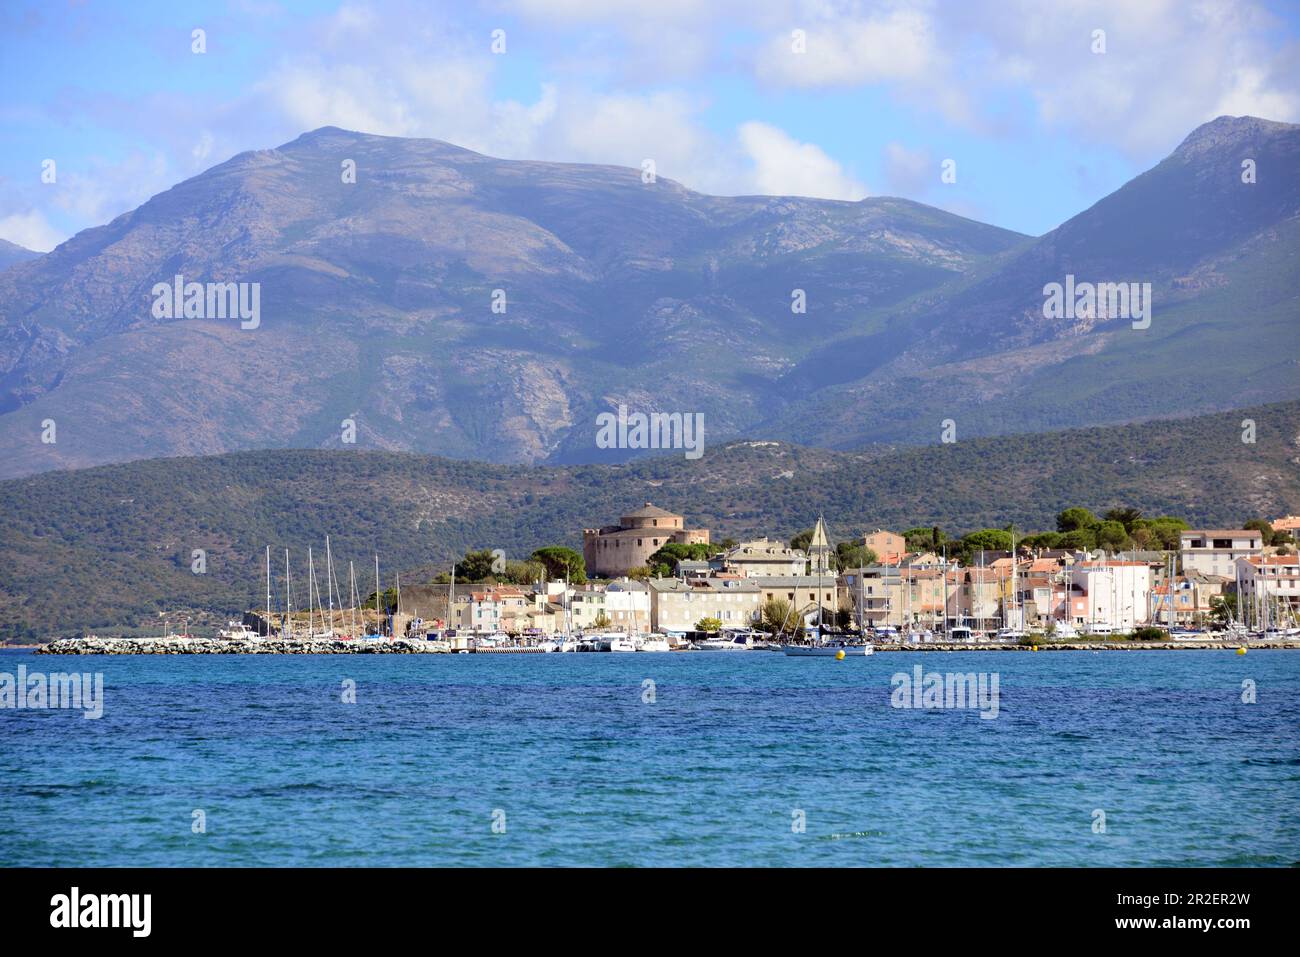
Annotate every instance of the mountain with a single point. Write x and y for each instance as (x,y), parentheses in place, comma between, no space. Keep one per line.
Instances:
(109,547)
(1223,259)
(11,253)
(376,306)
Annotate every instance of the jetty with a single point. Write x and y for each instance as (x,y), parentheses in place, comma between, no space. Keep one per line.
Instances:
(238,646)
(1202,645)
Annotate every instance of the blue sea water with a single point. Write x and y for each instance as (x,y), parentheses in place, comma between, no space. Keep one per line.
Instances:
(581,770)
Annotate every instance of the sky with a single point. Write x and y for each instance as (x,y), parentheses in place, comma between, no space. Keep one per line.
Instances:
(1039,113)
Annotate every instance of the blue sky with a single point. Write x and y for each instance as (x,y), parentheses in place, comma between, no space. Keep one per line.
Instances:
(1039,125)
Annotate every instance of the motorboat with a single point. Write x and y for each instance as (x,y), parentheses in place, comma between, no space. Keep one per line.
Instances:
(653,643)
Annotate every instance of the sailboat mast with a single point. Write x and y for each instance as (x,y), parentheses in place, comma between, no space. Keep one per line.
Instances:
(352,597)
(329,579)
(311,580)
(288,608)
(820,562)
(378,618)
(945,590)
(268,591)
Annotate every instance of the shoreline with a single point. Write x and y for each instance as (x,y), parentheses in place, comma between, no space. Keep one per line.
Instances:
(403,646)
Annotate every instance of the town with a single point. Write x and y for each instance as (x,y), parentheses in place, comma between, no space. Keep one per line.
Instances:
(651,582)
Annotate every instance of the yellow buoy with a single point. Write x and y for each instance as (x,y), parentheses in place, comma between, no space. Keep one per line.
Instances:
(1035,647)
(1241,651)
(839,655)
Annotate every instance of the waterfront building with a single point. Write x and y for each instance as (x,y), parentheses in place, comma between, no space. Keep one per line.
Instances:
(1215,551)
(979,597)
(613,550)
(676,605)
(1113,593)
(803,592)
(1042,595)
(627,605)
(495,608)
(1270,588)
(1193,599)
(899,595)
(587,606)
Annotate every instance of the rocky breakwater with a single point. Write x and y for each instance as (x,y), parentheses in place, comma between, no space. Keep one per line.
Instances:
(1215,645)
(226,646)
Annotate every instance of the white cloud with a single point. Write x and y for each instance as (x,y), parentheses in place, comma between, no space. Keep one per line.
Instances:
(784,166)
(29,229)
(909,172)
(1168,67)
(852,50)
(99,189)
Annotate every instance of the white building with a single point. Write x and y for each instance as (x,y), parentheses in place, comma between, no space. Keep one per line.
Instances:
(627,605)
(1214,551)
(1111,593)
(1270,589)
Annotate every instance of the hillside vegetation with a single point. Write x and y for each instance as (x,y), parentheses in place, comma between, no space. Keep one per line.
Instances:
(111,547)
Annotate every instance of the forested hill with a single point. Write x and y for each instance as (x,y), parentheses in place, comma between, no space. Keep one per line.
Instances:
(110,547)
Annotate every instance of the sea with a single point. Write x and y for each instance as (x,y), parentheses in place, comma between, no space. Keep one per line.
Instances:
(645,760)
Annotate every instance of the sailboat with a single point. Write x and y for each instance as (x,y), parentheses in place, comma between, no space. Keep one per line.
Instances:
(820,647)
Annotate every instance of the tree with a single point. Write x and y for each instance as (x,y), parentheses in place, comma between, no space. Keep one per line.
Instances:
(642,573)
(665,560)
(777,615)
(1075,519)
(853,554)
(1042,540)
(1111,536)
(1079,540)
(1224,607)
(387,602)
(987,539)
(1127,517)
(475,566)
(1264,528)
(602,621)
(522,573)
(727,544)
(844,614)
(920,539)
(802,540)
(708,624)
(1164,531)
(561,562)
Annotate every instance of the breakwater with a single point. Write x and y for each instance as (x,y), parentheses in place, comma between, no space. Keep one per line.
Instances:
(229,646)
(1099,646)
(402,646)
